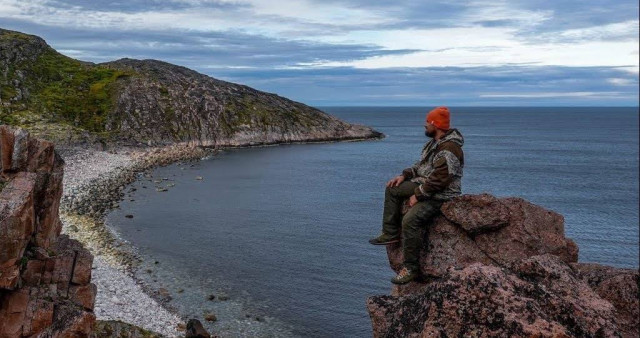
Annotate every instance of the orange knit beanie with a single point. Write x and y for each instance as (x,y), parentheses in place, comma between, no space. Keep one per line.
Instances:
(439,117)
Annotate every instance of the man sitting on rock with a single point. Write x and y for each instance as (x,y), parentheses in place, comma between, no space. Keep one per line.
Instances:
(435,178)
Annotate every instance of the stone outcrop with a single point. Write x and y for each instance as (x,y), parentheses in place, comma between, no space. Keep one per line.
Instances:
(485,229)
(166,103)
(45,277)
(503,267)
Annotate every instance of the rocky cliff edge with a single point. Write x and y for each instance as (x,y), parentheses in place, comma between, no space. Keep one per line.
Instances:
(45,277)
(503,267)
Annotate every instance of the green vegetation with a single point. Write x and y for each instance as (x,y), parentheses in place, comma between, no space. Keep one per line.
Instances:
(62,90)
(252,111)
(117,328)
(80,94)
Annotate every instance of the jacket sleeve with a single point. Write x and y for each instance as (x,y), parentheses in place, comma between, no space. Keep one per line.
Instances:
(437,181)
(410,172)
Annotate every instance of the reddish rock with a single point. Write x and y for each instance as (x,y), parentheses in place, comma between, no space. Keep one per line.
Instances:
(83,295)
(13,306)
(488,230)
(45,287)
(41,156)
(477,213)
(32,274)
(502,267)
(71,321)
(532,230)
(16,225)
(540,297)
(38,317)
(620,288)
(19,156)
(446,245)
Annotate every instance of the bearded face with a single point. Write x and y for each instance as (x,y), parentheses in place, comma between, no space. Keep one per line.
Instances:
(429,130)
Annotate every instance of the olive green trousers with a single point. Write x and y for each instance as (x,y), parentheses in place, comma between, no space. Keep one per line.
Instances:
(413,224)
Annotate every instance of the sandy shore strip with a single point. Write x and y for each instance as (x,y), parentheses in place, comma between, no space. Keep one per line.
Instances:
(93,183)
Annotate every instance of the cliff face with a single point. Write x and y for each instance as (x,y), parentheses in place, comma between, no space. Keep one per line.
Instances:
(45,278)
(168,103)
(146,102)
(503,267)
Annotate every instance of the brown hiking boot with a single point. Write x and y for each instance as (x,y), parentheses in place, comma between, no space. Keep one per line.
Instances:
(405,276)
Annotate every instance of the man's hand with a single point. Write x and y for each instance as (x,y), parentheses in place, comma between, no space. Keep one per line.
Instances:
(413,200)
(394,182)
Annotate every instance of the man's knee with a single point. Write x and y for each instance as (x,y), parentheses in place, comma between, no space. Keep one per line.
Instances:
(391,191)
(420,215)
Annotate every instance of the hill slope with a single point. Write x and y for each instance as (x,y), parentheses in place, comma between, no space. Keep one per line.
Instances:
(136,102)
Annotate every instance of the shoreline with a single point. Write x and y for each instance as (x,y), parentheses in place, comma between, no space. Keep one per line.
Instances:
(94,184)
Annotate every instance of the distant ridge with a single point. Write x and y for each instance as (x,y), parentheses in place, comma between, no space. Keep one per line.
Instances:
(146,102)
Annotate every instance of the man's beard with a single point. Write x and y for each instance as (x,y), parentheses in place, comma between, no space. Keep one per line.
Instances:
(428,134)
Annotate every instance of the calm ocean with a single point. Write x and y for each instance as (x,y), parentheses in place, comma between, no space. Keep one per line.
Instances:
(285,229)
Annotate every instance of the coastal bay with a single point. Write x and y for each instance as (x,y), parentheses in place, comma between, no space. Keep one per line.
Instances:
(246,235)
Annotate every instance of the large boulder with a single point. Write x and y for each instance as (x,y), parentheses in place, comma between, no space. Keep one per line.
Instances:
(489,230)
(617,286)
(539,296)
(503,267)
(45,278)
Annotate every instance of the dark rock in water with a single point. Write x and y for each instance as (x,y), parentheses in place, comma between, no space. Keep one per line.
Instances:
(164,294)
(128,216)
(211,297)
(503,267)
(210,317)
(196,330)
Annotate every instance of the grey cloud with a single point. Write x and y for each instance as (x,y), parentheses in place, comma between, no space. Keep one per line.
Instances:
(565,14)
(445,85)
(196,49)
(137,6)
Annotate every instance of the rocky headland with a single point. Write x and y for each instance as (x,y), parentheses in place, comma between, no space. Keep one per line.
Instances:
(146,102)
(502,267)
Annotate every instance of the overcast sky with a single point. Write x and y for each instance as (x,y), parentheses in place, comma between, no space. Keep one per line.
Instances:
(365,52)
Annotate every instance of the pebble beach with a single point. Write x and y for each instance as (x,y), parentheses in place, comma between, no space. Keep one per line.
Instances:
(93,184)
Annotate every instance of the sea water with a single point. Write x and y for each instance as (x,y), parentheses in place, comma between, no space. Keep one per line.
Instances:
(284,229)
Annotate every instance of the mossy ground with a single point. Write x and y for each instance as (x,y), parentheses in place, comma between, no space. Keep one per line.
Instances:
(62,91)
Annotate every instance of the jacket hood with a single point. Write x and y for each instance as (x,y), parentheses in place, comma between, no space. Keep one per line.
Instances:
(453,135)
